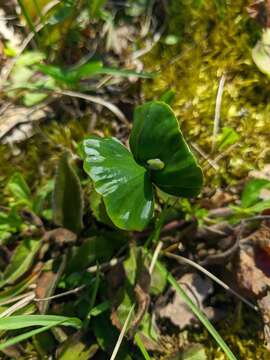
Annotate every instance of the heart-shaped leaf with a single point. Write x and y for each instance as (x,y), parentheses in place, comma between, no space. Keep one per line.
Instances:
(125,186)
(156,139)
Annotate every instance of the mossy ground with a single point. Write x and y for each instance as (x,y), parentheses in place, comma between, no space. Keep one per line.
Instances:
(215,40)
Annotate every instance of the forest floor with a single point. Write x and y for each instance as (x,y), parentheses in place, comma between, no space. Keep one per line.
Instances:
(209,62)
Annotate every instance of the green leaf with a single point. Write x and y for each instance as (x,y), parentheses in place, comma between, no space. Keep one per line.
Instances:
(75,348)
(98,208)
(31,99)
(27,335)
(22,321)
(30,58)
(156,135)
(100,308)
(261,206)
(18,187)
(67,197)
(92,68)
(251,193)
(71,76)
(95,7)
(21,261)
(42,197)
(125,186)
(96,248)
(106,335)
(64,11)
(227,137)
(261,54)
(168,96)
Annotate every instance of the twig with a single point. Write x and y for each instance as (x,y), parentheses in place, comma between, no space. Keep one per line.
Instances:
(122,334)
(211,276)
(109,264)
(217,110)
(97,100)
(223,154)
(57,296)
(257,217)
(205,156)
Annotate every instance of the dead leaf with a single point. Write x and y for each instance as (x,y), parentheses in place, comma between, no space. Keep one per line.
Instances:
(261,174)
(60,236)
(44,283)
(259,10)
(176,310)
(253,270)
(16,123)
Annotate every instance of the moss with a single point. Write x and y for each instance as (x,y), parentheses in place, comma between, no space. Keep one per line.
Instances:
(212,45)
(36,157)
(241,330)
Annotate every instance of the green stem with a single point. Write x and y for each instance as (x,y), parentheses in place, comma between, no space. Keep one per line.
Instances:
(93,298)
(154,237)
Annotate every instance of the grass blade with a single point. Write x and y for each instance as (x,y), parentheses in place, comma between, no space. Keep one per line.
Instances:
(27,16)
(141,346)
(22,321)
(27,335)
(203,319)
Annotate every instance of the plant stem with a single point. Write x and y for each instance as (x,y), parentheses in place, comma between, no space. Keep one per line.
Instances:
(154,237)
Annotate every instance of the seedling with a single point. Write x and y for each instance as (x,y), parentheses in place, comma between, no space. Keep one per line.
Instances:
(159,157)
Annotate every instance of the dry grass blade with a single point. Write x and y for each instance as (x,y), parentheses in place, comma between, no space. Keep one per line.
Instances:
(122,334)
(97,100)
(217,109)
(18,305)
(182,259)
(155,257)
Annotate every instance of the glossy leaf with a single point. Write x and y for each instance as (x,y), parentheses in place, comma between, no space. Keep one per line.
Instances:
(156,135)
(67,197)
(98,208)
(125,186)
